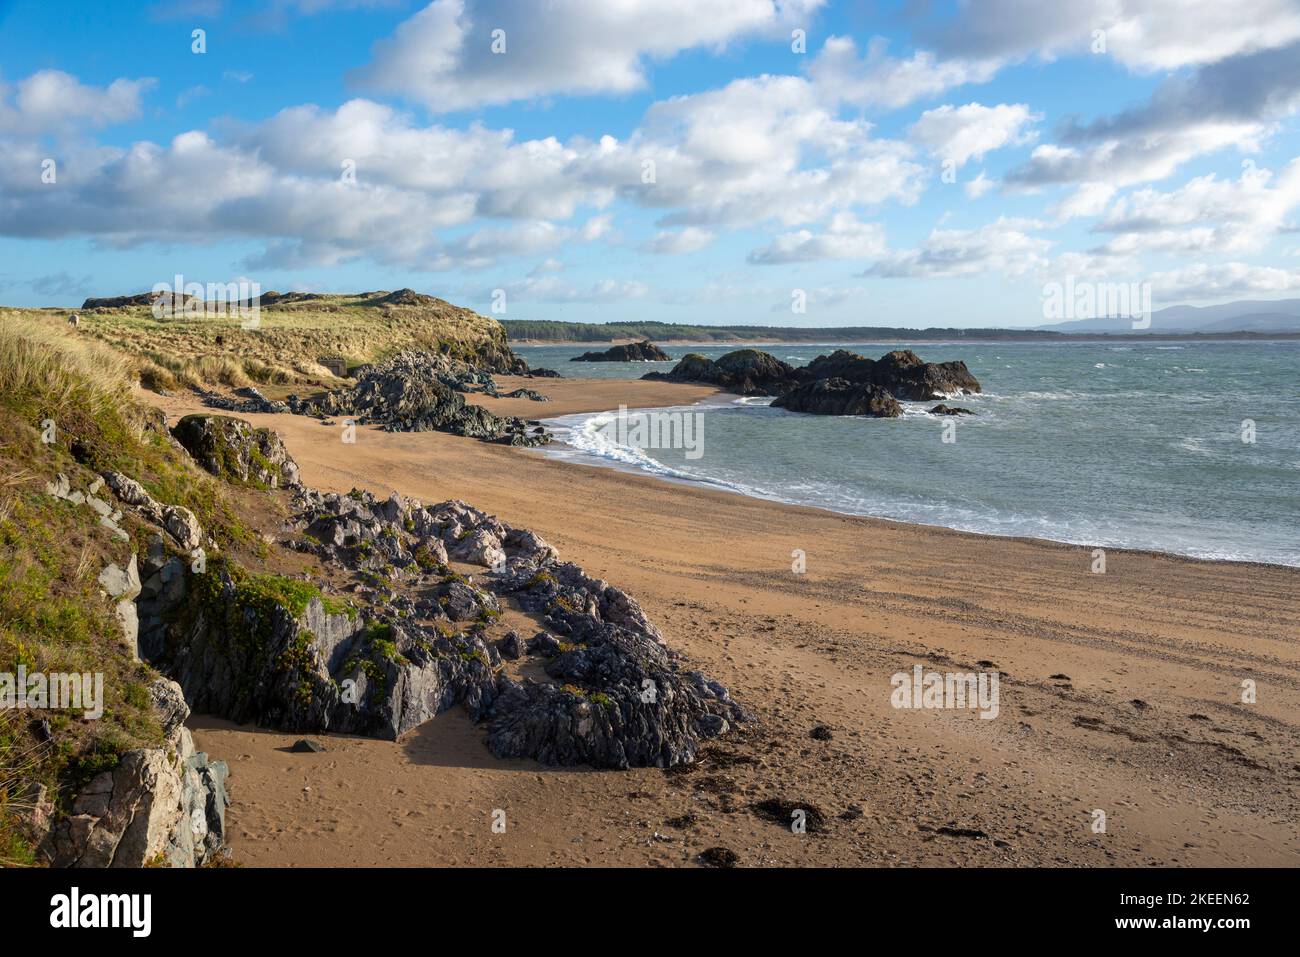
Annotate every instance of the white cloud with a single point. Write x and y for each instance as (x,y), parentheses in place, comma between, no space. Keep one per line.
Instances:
(443,56)
(956,134)
(1143,35)
(1231,103)
(1207,214)
(673,242)
(978,186)
(53,101)
(844,238)
(1003,246)
(878,79)
(1089,199)
(1224,281)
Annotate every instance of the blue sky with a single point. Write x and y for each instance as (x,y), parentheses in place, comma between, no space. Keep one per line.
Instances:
(917,164)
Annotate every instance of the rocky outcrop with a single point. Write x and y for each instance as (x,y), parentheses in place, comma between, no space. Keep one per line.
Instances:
(164,805)
(277,652)
(407,394)
(234,450)
(123,586)
(632,352)
(840,397)
(179,522)
(942,409)
(901,373)
(247,400)
(744,372)
(176,301)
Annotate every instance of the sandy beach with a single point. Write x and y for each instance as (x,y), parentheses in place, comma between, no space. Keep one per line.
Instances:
(1120,692)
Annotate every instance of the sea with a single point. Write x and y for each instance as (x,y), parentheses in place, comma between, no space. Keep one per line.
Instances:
(1191,448)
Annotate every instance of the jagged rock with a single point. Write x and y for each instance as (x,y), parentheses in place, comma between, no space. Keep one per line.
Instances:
(901,373)
(510,646)
(121,582)
(410,392)
(234,450)
(480,547)
(645,351)
(303,746)
(620,697)
(179,522)
(158,804)
(942,409)
(543,643)
(840,397)
(745,372)
(124,585)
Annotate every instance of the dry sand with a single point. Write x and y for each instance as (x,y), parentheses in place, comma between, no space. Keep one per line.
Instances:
(1120,692)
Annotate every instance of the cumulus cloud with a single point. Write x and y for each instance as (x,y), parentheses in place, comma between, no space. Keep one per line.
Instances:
(673,242)
(878,79)
(1224,281)
(443,56)
(1227,104)
(1143,35)
(845,237)
(956,134)
(1207,214)
(54,101)
(1003,246)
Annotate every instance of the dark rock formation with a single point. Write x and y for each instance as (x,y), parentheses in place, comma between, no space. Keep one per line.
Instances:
(407,393)
(744,372)
(942,409)
(234,450)
(276,651)
(902,373)
(632,352)
(840,397)
(170,301)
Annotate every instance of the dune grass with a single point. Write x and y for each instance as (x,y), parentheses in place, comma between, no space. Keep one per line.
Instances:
(66,407)
(288,343)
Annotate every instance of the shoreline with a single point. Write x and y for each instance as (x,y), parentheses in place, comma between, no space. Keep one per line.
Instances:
(1257,338)
(582,457)
(1188,775)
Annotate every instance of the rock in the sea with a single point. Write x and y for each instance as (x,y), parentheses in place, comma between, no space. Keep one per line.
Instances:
(744,372)
(840,397)
(901,373)
(645,351)
(236,451)
(942,409)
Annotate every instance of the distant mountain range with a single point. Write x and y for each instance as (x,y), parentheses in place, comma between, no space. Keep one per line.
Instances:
(1245,315)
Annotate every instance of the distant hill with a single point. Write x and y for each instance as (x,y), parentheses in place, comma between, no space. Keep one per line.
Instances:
(536,330)
(544,331)
(1245,315)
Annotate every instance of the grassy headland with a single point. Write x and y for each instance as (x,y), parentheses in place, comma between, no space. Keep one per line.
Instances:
(293,333)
